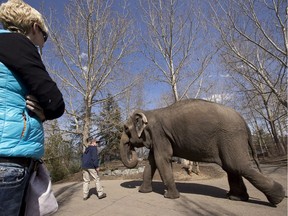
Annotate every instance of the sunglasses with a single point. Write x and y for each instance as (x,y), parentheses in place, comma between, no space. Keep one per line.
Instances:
(45,35)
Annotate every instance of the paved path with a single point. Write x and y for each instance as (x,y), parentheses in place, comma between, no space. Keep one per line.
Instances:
(202,197)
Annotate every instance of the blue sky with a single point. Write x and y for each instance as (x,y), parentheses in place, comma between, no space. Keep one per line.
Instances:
(152,91)
(59,4)
(37,3)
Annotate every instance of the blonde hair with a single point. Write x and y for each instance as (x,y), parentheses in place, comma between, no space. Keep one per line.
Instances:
(17,16)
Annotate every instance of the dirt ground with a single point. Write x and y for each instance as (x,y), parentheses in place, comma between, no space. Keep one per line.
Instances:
(207,171)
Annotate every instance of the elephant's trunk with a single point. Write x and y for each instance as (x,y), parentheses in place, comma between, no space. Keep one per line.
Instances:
(127,153)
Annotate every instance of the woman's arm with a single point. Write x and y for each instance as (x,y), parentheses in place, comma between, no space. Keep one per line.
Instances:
(20,55)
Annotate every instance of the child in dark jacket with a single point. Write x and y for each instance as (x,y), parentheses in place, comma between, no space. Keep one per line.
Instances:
(90,166)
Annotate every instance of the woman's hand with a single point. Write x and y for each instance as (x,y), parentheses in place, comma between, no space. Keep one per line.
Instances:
(33,105)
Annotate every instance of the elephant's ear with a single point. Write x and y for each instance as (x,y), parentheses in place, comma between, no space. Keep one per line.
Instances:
(140,124)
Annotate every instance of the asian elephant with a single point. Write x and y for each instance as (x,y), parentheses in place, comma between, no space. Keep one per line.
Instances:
(196,130)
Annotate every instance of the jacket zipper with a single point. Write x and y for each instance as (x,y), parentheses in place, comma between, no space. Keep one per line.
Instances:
(25,124)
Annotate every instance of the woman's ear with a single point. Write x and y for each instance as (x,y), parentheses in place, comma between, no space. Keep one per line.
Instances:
(31,34)
(34,28)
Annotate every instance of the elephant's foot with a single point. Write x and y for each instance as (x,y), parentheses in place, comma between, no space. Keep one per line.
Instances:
(238,197)
(145,189)
(276,194)
(171,194)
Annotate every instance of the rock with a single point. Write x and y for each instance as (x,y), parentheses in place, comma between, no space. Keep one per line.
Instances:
(124,172)
(116,173)
(141,169)
(107,172)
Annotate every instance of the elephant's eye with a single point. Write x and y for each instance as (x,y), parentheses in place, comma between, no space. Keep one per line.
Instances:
(127,131)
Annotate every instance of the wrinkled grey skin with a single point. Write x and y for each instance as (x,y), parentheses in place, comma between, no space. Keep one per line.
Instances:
(196,130)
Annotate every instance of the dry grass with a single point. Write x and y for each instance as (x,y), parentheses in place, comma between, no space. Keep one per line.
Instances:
(207,171)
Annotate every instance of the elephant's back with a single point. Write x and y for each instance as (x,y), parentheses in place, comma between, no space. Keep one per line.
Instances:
(196,106)
(199,113)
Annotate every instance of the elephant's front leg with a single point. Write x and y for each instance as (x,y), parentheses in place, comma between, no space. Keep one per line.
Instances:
(148,174)
(164,165)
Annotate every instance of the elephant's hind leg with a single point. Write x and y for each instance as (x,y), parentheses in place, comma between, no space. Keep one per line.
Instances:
(238,189)
(273,190)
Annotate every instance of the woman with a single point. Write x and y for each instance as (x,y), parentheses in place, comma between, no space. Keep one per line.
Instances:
(28,96)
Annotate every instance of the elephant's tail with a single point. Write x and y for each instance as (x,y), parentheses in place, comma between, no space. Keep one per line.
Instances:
(253,150)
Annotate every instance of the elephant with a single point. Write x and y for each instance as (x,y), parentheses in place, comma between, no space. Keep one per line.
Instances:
(188,165)
(196,130)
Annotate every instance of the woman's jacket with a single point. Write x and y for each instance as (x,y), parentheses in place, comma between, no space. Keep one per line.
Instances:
(23,73)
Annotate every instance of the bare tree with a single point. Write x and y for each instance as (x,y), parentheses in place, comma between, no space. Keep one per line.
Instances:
(133,97)
(265,111)
(174,44)
(91,42)
(254,48)
(254,36)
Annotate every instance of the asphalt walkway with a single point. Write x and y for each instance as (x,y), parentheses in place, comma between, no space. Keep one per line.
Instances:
(203,197)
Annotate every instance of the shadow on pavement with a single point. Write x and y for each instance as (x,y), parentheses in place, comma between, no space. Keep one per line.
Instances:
(192,188)
(64,194)
(259,202)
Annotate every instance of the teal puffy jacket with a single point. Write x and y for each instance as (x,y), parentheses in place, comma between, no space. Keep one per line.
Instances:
(21,135)
(21,132)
